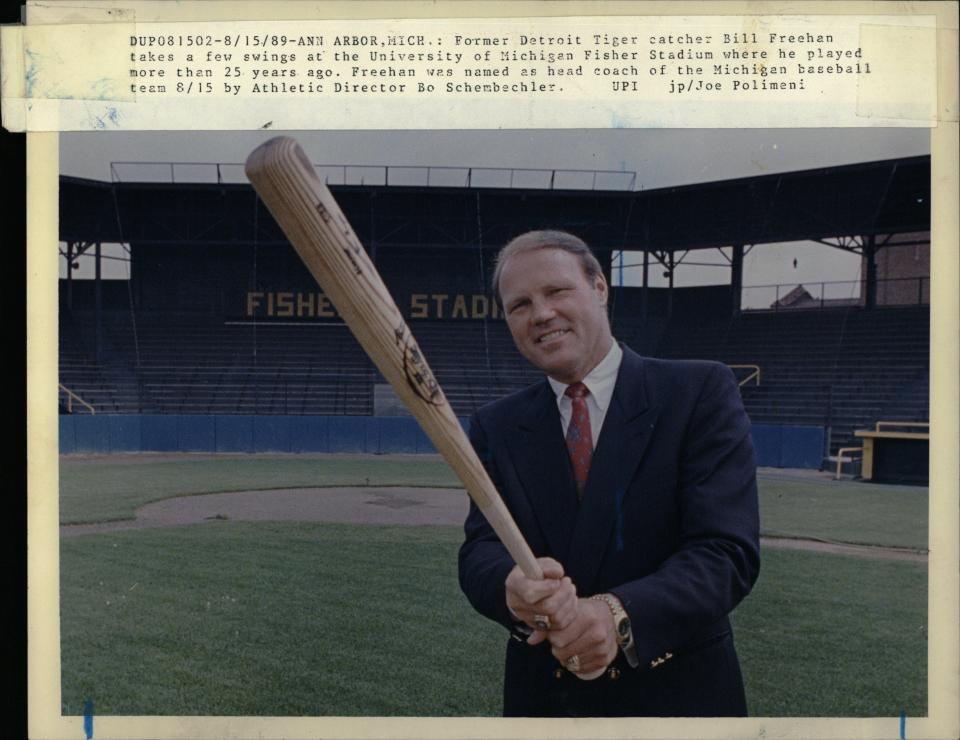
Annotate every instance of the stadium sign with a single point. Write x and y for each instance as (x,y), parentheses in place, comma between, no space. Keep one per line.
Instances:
(316,305)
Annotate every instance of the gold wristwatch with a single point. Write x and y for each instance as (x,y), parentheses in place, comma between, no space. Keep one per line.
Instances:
(621,624)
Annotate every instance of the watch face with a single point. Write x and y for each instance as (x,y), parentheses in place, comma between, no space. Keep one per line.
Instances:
(623,629)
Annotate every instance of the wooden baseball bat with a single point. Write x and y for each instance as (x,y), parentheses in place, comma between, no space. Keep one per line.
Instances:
(308,214)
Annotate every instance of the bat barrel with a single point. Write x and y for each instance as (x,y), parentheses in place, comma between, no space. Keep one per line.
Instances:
(302,205)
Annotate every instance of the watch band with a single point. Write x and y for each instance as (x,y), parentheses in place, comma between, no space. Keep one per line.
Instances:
(620,616)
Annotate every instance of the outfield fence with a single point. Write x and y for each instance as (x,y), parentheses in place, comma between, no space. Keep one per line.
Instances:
(777,446)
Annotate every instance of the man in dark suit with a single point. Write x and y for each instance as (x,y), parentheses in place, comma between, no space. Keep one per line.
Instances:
(634,481)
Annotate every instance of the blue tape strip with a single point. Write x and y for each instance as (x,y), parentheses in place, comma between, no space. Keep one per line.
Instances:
(88,718)
(903,725)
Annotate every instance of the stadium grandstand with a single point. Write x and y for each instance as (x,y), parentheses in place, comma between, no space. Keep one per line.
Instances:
(219,320)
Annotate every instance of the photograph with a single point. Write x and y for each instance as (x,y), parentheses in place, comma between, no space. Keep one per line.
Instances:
(230,453)
(455,432)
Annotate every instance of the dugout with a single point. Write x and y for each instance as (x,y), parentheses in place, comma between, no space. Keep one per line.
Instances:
(896,452)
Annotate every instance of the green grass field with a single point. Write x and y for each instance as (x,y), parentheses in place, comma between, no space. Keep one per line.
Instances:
(845,511)
(99,491)
(238,618)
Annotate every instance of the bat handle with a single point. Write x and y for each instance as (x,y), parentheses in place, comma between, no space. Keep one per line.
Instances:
(531,569)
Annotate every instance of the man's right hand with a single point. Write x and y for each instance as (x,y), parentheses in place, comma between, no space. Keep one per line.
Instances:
(554,597)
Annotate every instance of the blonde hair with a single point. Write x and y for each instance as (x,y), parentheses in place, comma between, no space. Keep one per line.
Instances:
(546,239)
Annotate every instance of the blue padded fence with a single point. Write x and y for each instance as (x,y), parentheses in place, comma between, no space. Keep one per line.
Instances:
(227,433)
(777,446)
(780,446)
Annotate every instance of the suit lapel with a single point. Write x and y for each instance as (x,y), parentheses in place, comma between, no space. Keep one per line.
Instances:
(626,432)
(543,466)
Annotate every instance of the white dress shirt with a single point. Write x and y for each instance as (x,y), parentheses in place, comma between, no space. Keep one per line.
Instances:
(600,382)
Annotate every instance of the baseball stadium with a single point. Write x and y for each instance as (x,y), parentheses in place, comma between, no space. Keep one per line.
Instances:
(252,522)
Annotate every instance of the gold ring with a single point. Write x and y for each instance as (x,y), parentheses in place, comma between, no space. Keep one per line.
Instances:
(573,664)
(542,622)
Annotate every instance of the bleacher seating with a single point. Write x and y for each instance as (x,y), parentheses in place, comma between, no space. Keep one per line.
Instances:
(474,363)
(179,365)
(840,368)
(102,384)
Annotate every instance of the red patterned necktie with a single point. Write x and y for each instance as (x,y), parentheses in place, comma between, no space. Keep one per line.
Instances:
(579,437)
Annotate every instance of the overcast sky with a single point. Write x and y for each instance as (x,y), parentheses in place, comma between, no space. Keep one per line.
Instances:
(660,158)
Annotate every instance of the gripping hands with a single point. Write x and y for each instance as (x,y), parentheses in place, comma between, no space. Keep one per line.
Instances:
(580,631)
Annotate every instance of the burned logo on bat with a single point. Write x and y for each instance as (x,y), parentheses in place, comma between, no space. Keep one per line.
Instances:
(353,261)
(334,220)
(419,376)
(324,213)
(353,250)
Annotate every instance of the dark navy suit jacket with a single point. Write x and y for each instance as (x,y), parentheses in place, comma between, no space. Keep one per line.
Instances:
(668,522)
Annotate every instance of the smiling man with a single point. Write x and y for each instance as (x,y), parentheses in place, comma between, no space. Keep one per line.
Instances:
(634,482)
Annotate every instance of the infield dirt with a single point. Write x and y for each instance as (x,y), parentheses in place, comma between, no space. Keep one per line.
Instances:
(375,505)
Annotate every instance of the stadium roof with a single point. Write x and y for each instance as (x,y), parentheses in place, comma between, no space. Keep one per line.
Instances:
(872,198)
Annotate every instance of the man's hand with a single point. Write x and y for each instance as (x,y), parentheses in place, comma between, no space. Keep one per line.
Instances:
(554,597)
(590,636)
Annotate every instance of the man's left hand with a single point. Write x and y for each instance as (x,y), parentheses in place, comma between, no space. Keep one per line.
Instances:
(590,637)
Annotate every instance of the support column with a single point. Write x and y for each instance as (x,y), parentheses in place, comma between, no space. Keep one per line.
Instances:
(373,230)
(869,254)
(645,289)
(670,270)
(605,258)
(69,276)
(736,279)
(97,305)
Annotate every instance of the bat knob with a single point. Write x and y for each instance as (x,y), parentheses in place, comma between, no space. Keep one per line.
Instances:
(573,665)
(592,675)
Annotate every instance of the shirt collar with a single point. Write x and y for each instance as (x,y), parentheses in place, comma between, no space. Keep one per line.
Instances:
(600,381)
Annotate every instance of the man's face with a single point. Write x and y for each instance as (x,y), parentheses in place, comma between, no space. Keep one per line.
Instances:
(557,316)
